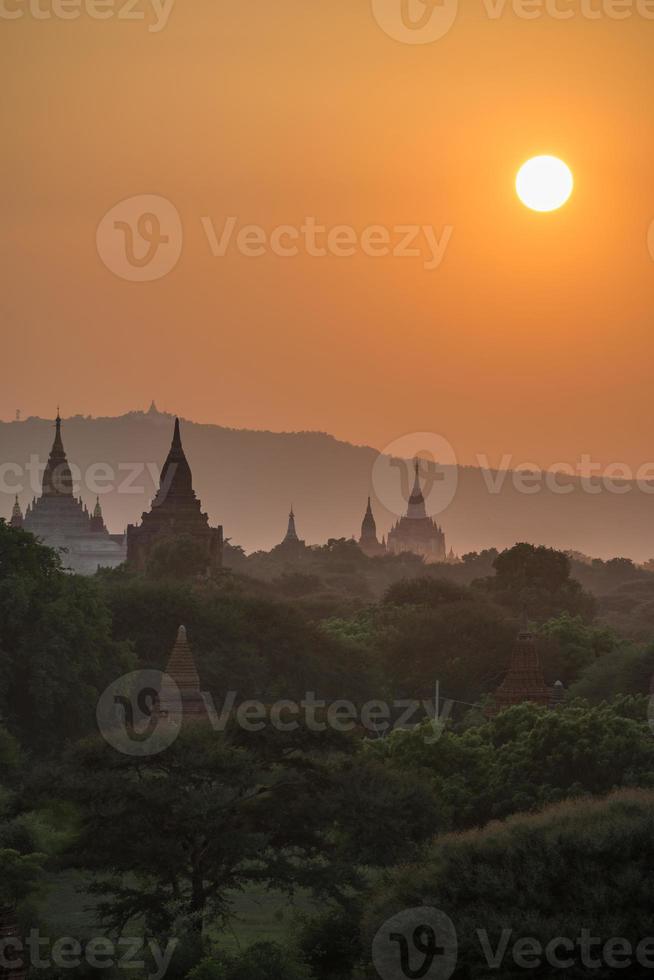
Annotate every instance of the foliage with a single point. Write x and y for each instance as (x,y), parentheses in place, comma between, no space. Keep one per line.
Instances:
(463,643)
(626,670)
(574,867)
(537,582)
(177,558)
(262,961)
(255,646)
(21,862)
(526,758)
(568,645)
(331,941)
(56,650)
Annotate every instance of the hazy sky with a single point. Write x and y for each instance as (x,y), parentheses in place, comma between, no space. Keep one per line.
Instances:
(533,336)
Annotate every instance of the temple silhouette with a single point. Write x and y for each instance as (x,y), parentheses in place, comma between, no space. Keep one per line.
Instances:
(175,513)
(62,521)
(416,532)
(368,542)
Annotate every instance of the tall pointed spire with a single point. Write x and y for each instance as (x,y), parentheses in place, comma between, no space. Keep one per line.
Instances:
(291,533)
(176,477)
(176,512)
(16,515)
(417,509)
(57,478)
(368,541)
(97,519)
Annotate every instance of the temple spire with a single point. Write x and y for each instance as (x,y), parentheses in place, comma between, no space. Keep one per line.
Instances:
(417,509)
(368,541)
(177,439)
(176,477)
(16,515)
(97,519)
(291,533)
(57,478)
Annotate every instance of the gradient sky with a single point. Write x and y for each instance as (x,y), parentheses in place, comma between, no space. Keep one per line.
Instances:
(535,335)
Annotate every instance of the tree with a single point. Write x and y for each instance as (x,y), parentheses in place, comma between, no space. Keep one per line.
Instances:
(568,646)
(536,581)
(526,758)
(255,646)
(21,859)
(223,814)
(56,650)
(181,557)
(463,644)
(629,669)
(262,961)
(575,868)
(426,591)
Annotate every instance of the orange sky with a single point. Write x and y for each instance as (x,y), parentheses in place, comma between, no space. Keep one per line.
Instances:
(534,336)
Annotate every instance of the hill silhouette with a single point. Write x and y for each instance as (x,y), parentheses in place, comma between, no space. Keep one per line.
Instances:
(247,481)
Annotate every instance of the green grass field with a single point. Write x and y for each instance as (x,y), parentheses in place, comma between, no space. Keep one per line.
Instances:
(68,910)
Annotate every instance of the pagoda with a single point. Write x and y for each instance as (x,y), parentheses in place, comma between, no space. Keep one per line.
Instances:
(291,547)
(416,532)
(61,521)
(175,513)
(368,541)
(17,519)
(524,680)
(180,686)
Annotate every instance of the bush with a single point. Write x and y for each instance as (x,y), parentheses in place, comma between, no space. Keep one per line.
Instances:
(263,961)
(576,866)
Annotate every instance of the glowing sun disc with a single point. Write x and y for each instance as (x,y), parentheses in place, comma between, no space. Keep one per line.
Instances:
(544,183)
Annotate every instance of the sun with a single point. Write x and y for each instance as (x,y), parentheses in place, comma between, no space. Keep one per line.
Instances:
(544,183)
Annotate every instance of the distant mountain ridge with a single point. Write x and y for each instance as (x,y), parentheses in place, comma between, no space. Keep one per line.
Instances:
(248,479)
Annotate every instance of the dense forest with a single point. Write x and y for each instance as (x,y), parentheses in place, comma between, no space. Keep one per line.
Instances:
(278,854)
